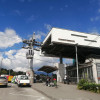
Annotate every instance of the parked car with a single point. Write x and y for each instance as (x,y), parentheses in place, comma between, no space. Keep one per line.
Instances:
(23,80)
(3,81)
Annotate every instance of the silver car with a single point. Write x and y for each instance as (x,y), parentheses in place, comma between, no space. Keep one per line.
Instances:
(3,81)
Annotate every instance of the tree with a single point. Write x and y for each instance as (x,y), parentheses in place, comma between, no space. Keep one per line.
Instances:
(3,72)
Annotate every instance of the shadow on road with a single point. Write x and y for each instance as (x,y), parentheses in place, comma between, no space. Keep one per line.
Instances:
(5,86)
(24,86)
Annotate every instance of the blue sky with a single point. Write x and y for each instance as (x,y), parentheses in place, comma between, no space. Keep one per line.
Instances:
(27,16)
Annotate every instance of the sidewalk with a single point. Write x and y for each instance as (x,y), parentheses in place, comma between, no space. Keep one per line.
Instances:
(65,92)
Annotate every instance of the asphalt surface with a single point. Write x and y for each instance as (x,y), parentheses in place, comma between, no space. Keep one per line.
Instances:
(13,92)
(65,92)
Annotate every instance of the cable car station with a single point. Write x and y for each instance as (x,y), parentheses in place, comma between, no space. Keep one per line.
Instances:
(83,47)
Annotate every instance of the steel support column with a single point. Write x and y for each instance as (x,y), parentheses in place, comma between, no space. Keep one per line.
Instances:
(77,63)
(61,59)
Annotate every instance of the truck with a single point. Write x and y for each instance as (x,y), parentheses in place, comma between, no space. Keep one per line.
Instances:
(23,80)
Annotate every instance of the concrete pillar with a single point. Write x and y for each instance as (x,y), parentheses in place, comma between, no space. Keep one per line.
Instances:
(94,68)
(60,72)
(30,71)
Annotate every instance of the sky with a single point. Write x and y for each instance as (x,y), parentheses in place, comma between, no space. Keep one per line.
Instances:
(20,18)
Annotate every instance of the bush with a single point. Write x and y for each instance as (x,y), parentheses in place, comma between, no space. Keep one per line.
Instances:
(81,83)
(98,85)
(84,84)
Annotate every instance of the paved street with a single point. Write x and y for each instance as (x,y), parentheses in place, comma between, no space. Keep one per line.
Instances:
(41,92)
(65,92)
(13,92)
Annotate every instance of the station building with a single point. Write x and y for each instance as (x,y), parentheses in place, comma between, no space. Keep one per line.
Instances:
(83,47)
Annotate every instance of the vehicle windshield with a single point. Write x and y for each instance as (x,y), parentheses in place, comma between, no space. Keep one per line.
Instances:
(24,77)
(3,78)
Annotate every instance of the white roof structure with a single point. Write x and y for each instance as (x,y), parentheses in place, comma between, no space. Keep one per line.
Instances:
(62,42)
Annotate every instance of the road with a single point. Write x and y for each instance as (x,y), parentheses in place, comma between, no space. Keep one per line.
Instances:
(13,92)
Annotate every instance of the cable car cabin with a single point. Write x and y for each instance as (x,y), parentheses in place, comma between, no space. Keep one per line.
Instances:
(29,54)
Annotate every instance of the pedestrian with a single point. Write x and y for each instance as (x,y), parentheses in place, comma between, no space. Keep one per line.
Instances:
(47,80)
(67,79)
(55,82)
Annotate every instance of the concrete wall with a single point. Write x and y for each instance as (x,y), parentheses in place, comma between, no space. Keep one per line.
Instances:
(95,61)
(60,72)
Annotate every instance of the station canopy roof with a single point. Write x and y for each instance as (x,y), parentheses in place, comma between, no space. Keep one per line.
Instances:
(48,69)
(61,42)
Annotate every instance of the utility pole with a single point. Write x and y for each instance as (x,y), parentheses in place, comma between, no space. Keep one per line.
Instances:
(10,65)
(29,44)
(1,65)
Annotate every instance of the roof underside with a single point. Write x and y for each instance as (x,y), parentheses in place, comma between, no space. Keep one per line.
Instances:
(68,51)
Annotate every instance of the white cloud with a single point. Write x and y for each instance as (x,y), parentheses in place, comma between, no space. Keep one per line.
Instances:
(98,10)
(8,38)
(10,53)
(48,26)
(94,31)
(41,33)
(51,8)
(38,36)
(22,0)
(18,61)
(31,18)
(97,18)
(91,19)
(66,6)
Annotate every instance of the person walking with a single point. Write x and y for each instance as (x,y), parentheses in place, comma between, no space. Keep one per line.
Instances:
(47,80)
(67,79)
(55,82)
